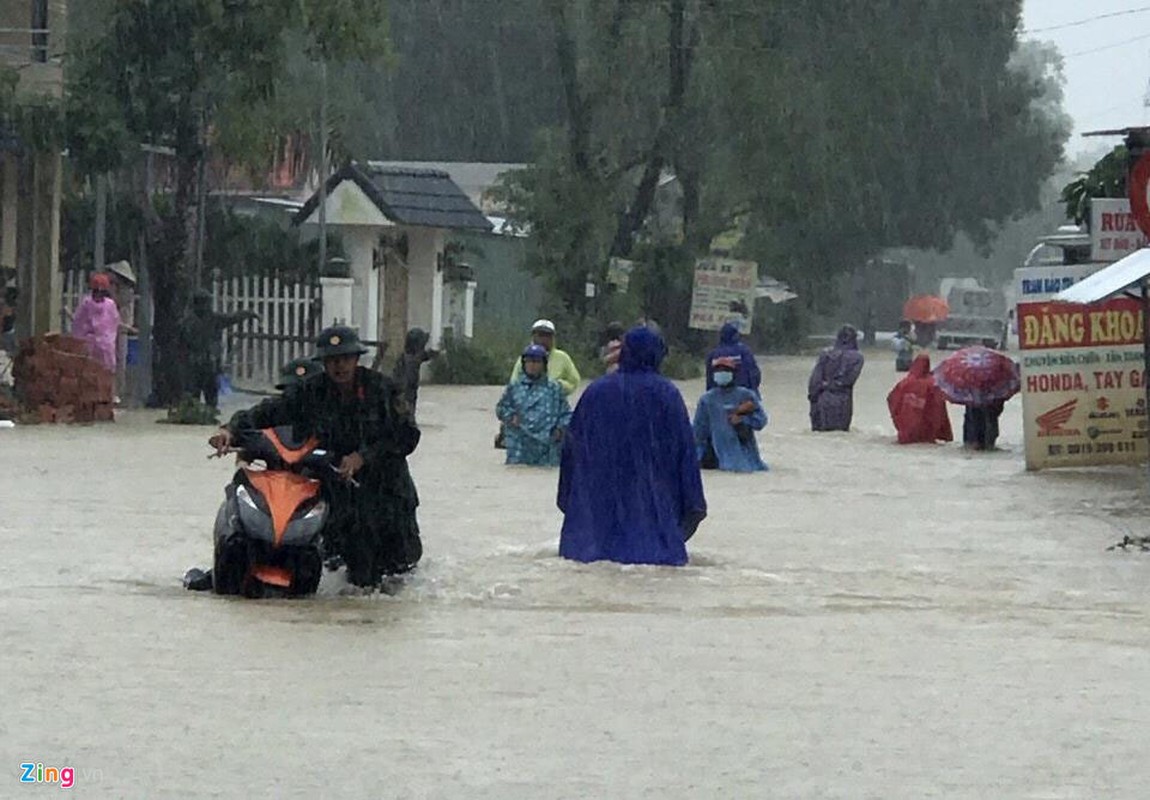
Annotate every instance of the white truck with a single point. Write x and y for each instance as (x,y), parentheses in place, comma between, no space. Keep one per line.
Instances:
(977,316)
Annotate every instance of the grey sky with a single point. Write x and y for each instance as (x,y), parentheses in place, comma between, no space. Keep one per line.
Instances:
(1105,88)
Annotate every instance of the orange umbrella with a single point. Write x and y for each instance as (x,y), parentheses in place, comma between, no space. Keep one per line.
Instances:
(925,308)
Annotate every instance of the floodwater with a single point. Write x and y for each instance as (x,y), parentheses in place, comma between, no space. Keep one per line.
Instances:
(864,621)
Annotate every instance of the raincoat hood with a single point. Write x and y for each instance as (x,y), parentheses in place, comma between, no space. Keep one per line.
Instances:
(416,341)
(729,334)
(848,338)
(643,351)
(920,367)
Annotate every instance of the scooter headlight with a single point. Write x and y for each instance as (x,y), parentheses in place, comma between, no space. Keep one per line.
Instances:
(318,510)
(244,497)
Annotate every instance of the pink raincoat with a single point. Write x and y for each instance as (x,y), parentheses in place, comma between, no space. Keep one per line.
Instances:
(97,322)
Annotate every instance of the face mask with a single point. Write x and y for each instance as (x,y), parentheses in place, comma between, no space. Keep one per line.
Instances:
(724,378)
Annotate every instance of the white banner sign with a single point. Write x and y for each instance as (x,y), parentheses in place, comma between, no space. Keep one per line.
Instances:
(724,292)
(1113,232)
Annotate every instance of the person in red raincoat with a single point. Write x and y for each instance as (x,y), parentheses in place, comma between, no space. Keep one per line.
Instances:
(918,407)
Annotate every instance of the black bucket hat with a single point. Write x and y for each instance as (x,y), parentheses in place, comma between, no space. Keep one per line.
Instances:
(338,340)
(297,371)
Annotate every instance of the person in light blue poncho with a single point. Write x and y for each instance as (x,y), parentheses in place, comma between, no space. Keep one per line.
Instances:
(534,412)
(725,423)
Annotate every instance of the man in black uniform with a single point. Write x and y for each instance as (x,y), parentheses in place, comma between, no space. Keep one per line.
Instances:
(361,417)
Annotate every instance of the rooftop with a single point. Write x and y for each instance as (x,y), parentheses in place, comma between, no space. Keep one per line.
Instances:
(407,196)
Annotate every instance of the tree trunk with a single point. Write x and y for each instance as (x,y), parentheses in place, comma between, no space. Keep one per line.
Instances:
(680,49)
(173,277)
(578,118)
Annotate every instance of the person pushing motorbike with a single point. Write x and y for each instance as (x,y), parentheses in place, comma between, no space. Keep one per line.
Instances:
(362,419)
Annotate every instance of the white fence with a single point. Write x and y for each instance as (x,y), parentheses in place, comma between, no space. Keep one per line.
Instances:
(254,350)
(289,315)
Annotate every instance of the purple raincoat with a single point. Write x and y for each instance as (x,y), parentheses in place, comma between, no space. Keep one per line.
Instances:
(97,322)
(831,387)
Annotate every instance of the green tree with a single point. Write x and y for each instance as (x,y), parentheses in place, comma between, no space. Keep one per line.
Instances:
(829,132)
(1107,178)
(190,75)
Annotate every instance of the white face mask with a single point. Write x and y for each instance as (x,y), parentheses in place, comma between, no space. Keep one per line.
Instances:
(724,378)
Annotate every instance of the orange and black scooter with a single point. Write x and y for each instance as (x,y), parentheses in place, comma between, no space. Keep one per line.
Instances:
(269,530)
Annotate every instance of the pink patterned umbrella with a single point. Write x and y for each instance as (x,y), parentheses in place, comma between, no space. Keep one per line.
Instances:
(976,376)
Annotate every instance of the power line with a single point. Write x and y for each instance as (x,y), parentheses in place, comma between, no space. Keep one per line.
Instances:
(1088,20)
(1108,46)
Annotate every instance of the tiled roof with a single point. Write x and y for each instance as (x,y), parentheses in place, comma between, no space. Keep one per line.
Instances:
(407,196)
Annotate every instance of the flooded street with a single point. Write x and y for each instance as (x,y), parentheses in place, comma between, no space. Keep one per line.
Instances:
(863,621)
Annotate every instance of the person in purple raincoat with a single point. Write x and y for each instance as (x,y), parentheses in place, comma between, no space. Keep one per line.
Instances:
(831,387)
(629,483)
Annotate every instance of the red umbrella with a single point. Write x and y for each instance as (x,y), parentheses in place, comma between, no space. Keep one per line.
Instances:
(977,376)
(925,308)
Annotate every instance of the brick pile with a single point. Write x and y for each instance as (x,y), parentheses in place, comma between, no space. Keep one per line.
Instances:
(57,381)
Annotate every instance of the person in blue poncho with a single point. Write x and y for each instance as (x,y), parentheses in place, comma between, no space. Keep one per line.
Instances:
(747,373)
(629,482)
(725,423)
(534,412)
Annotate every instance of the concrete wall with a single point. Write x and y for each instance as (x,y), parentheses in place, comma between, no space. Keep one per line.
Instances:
(359,244)
(425,282)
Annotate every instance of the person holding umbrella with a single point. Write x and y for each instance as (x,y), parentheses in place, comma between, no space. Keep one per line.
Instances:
(982,380)
(925,311)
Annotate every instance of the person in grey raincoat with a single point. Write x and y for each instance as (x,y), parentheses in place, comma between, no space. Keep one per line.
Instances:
(831,386)
(410,362)
(201,332)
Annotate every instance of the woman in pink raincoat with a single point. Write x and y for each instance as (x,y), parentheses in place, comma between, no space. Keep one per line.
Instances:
(97,321)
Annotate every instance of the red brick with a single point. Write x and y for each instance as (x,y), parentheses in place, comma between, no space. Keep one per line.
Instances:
(103,412)
(46,413)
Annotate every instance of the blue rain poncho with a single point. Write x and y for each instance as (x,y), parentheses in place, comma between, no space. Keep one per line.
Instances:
(542,409)
(713,428)
(629,482)
(747,372)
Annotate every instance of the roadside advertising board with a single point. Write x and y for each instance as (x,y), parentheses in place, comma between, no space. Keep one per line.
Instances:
(1113,230)
(723,286)
(1083,383)
(1035,284)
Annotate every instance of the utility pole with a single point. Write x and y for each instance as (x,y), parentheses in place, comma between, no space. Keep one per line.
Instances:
(323,168)
(101,220)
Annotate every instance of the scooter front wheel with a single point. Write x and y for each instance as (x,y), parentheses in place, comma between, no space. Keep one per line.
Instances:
(229,569)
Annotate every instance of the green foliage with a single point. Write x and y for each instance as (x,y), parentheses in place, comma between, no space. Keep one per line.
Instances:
(682,365)
(171,72)
(829,148)
(475,362)
(237,244)
(124,224)
(37,120)
(191,412)
(780,327)
(1107,178)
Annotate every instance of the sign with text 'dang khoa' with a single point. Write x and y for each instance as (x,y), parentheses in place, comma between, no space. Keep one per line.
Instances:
(1083,383)
(724,291)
